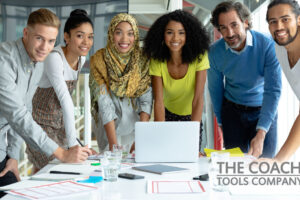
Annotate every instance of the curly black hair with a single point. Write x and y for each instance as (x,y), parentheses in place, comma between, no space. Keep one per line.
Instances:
(197,39)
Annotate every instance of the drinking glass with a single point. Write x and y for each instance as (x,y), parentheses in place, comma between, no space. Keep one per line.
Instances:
(214,171)
(111,164)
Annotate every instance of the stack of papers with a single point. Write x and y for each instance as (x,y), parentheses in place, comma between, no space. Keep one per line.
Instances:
(52,190)
(235,152)
(175,187)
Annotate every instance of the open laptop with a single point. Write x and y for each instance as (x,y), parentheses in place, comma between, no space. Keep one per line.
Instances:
(167,141)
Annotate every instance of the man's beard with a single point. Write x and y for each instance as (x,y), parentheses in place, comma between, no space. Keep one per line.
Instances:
(290,38)
(236,45)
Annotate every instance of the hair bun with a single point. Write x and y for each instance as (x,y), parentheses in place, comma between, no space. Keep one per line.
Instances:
(78,12)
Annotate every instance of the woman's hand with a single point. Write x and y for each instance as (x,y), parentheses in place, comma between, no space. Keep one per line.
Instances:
(132,148)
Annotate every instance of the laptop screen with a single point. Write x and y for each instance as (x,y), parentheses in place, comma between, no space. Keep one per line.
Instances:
(167,141)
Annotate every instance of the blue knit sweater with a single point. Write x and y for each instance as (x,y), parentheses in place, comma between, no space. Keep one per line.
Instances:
(250,77)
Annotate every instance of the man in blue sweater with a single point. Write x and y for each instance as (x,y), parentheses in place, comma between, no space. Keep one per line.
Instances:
(244,82)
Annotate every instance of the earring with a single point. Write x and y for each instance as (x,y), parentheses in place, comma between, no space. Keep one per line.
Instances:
(162,43)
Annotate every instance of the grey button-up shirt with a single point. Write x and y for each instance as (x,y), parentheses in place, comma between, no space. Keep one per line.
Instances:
(19,77)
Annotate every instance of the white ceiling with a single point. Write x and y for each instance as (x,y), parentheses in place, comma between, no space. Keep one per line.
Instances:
(148,6)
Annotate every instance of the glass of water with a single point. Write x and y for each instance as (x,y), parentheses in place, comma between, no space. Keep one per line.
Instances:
(111,164)
(214,171)
(123,149)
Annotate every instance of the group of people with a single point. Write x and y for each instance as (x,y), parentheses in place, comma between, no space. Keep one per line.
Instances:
(242,68)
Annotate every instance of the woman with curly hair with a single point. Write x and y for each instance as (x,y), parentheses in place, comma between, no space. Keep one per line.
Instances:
(177,44)
(121,93)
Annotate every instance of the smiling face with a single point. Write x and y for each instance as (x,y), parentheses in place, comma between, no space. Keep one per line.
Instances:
(123,37)
(80,39)
(39,41)
(283,24)
(174,36)
(233,29)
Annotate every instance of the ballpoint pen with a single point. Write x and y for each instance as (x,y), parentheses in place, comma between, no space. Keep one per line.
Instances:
(79,142)
(62,172)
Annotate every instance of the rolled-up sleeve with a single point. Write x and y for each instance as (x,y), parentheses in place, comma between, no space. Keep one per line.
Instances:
(107,110)
(145,102)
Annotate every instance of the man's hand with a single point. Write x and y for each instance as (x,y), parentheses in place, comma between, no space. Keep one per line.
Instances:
(93,151)
(11,165)
(257,144)
(267,160)
(200,154)
(75,154)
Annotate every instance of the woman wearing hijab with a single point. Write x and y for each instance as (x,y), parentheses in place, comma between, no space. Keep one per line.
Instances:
(121,93)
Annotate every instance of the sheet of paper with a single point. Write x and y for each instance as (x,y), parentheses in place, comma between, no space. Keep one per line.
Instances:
(235,152)
(95,157)
(56,177)
(127,165)
(48,191)
(83,168)
(55,161)
(247,159)
(23,184)
(173,187)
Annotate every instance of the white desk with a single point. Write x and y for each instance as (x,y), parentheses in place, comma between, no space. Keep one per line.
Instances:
(125,189)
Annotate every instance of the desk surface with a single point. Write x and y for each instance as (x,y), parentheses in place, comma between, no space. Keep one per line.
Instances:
(125,189)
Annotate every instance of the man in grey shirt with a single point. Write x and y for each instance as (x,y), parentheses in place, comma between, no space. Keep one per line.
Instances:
(20,73)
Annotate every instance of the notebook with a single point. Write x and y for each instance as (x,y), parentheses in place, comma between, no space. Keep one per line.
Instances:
(234,152)
(84,170)
(159,169)
(167,141)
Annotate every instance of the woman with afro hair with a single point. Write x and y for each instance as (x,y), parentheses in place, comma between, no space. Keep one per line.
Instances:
(177,45)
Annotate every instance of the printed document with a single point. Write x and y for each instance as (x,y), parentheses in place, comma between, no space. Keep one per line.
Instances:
(59,189)
(173,187)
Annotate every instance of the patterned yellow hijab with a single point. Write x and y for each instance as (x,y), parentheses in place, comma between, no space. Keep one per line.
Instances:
(125,74)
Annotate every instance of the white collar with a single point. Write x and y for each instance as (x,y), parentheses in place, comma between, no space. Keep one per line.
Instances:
(249,42)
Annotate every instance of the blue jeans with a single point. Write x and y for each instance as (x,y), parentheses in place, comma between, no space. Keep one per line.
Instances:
(239,128)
